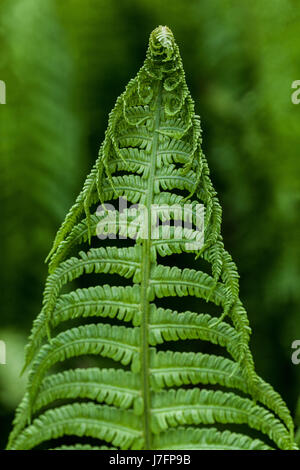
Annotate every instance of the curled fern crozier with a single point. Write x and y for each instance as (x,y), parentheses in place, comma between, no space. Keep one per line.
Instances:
(176,378)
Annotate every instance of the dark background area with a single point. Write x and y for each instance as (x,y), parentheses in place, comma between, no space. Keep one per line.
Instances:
(65,63)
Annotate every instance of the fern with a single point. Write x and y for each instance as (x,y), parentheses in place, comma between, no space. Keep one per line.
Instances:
(35,153)
(297,421)
(154,398)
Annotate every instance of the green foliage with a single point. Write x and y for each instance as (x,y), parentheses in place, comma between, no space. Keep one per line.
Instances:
(151,154)
(241,59)
(12,386)
(39,147)
(297,421)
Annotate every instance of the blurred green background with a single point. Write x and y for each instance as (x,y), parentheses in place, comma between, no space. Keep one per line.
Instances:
(65,63)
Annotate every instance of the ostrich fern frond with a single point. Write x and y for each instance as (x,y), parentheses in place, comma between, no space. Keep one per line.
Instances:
(156,397)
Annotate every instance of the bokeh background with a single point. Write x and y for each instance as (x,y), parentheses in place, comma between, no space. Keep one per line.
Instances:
(65,63)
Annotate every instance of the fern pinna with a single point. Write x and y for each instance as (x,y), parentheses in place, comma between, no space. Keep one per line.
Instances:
(158,396)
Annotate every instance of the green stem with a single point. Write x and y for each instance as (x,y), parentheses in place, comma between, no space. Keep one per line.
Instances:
(146,269)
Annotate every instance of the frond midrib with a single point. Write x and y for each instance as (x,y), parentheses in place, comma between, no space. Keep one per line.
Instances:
(145,281)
